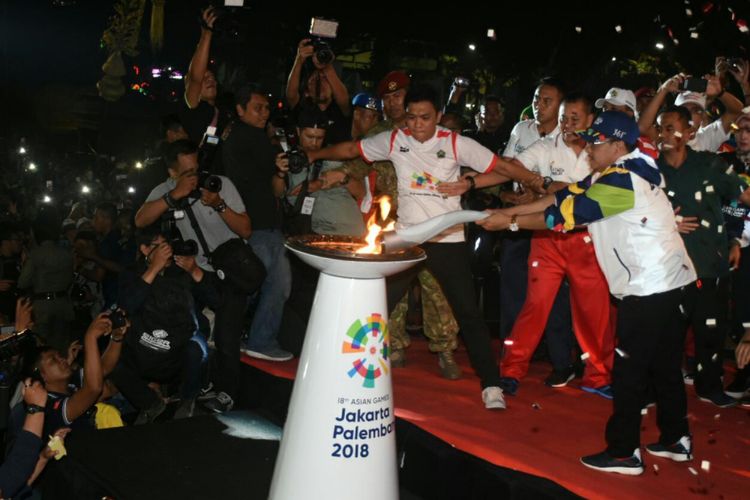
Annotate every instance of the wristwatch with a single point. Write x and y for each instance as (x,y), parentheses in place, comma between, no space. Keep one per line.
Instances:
(547,182)
(31,409)
(171,202)
(221,207)
(472,183)
(513,224)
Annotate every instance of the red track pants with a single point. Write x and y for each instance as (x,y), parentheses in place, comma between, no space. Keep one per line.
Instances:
(553,257)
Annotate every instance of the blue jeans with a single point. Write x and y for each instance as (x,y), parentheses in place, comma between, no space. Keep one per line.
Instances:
(268,245)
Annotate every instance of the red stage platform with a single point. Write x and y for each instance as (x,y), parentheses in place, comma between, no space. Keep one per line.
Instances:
(544,431)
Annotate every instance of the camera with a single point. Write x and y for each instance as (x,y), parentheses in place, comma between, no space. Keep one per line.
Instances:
(118,318)
(297,158)
(185,248)
(735,62)
(323,30)
(209,182)
(695,85)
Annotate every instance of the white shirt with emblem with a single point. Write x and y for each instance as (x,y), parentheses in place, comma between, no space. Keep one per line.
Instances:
(551,157)
(422,166)
(524,134)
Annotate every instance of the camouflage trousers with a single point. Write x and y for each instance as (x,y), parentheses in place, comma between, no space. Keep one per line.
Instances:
(438,323)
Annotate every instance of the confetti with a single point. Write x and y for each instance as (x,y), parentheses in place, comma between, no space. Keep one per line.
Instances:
(710,322)
(585,356)
(717,416)
(644,411)
(709,189)
(587,239)
(670,194)
(700,367)
(693,471)
(698,196)
(578,29)
(730,169)
(622,353)
(705,223)
(705,465)
(508,342)
(715,357)
(536,406)
(678,134)
(535,264)
(720,229)
(682,310)
(742,26)
(745,325)
(656,469)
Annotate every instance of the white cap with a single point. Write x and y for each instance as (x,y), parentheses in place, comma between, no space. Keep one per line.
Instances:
(691,97)
(618,97)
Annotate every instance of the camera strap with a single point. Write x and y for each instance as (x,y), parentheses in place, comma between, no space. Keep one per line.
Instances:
(198,232)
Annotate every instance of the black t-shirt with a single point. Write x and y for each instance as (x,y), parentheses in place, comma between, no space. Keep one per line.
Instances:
(249,161)
(339,125)
(9,270)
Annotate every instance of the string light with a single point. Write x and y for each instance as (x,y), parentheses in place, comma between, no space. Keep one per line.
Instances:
(32,167)
(85,189)
(138,165)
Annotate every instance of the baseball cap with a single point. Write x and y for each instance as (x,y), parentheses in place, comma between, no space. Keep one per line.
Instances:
(618,97)
(690,97)
(367,101)
(392,82)
(612,125)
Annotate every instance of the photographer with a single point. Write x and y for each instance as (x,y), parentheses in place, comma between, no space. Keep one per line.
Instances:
(335,209)
(221,217)
(158,297)
(248,156)
(321,87)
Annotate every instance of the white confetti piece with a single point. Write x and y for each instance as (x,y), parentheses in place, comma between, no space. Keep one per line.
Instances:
(729,170)
(656,467)
(535,264)
(705,223)
(585,356)
(682,309)
(698,196)
(670,194)
(678,134)
(508,342)
(644,411)
(693,471)
(699,367)
(705,465)
(715,357)
(709,189)
(587,239)
(621,353)
(745,325)
(710,322)
(719,229)
(717,416)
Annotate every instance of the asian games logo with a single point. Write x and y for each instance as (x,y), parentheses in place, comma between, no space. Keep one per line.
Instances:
(370,343)
(424,180)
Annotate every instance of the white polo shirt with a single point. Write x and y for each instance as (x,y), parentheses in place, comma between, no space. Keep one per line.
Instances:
(523,135)
(422,166)
(551,157)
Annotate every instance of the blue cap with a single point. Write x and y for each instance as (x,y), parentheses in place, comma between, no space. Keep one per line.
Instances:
(367,101)
(612,125)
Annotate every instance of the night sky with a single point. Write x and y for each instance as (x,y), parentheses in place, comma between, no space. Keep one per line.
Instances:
(44,44)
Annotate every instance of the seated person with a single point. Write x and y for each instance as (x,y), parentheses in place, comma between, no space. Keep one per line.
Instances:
(166,345)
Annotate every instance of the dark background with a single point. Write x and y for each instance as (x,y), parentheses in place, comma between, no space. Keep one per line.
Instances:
(52,56)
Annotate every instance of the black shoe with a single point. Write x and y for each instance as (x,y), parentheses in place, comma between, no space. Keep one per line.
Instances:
(738,388)
(186,409)
(681,451)
(220,403)
(509,385)
(560,378)
(631,466)
(719,398)
(148,415)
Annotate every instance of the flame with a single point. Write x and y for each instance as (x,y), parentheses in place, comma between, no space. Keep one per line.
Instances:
(374,229)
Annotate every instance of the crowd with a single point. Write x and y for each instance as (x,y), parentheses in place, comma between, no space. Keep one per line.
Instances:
(625,244)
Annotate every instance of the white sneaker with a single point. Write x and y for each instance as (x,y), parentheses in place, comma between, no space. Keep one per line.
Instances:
(493,398)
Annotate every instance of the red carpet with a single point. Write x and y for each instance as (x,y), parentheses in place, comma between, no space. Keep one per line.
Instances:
(544,431)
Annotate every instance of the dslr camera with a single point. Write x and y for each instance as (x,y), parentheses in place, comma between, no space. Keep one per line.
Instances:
(321,31)
(180,246)
(118,318)
(297,158)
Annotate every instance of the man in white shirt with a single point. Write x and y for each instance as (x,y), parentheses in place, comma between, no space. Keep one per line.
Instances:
(424,156)
(622,203)
(707,135)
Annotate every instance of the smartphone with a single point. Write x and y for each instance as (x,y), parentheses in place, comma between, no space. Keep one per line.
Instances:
(323,28)
(695,85)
